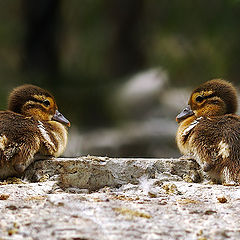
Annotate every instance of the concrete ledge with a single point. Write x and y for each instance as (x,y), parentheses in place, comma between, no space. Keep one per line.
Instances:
(96,172)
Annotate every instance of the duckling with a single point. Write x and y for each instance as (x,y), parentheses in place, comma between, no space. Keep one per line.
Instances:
(209,130)
(31,127)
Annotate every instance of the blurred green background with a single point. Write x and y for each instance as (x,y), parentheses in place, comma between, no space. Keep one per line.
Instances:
(85,51)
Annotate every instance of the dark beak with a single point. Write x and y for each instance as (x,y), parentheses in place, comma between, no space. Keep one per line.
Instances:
(60,118)
(185,113)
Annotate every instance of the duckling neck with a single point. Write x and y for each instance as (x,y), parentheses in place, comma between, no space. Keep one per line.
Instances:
(188,125)
(55,137)
(184,130)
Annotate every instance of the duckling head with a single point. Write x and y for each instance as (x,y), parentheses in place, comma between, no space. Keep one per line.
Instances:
(213,98)
(33,101)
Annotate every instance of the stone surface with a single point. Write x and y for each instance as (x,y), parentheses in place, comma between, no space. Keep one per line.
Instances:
(155,204)
(96,172)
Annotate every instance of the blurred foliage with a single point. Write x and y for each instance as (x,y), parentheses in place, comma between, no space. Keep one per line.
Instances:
(82,50)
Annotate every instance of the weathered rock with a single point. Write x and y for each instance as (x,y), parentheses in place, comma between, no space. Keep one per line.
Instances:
(151,203)
(96,172)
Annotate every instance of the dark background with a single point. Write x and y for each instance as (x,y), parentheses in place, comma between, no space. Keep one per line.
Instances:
(85,51)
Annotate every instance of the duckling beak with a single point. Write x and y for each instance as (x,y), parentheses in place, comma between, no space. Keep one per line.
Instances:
(60,118)
(185,113)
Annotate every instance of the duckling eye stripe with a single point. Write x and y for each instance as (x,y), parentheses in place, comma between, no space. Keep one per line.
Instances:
(209,96)
(31,104)
(36,100)
(45,134)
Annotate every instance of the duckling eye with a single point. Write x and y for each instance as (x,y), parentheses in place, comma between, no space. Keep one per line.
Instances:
(199,99)
(46,103)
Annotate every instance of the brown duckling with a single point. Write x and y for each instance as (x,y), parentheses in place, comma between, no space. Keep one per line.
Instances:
(31,126)
(209,130)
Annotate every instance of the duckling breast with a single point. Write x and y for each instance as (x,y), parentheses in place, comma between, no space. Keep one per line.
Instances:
(54,137)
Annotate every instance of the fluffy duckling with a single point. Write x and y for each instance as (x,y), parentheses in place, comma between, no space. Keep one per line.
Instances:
(31,127)
(209,130)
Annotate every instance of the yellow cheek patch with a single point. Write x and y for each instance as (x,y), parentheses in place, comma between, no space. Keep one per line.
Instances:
(38,114)
(209,110)
(37,108)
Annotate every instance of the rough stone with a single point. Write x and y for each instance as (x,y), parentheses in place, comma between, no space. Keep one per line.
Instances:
(155,203)
(96,172)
